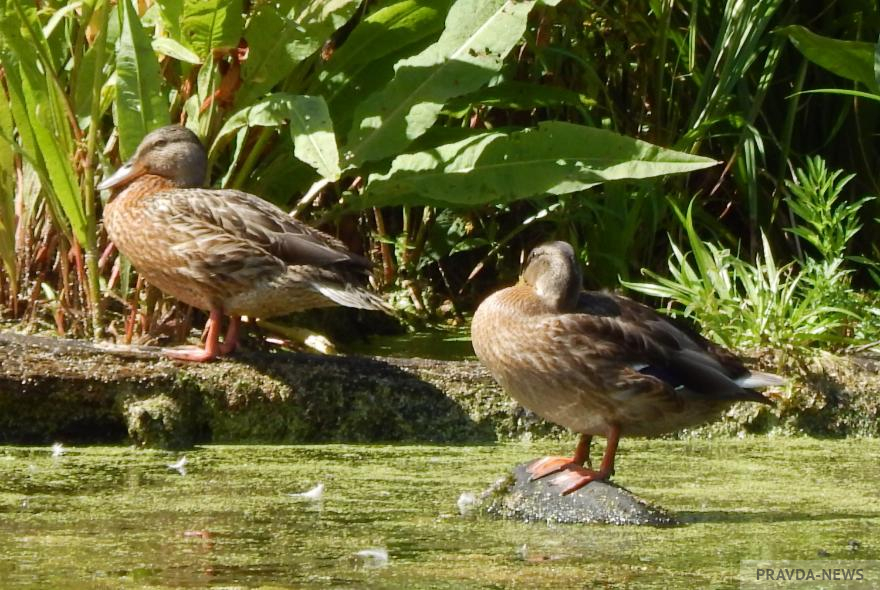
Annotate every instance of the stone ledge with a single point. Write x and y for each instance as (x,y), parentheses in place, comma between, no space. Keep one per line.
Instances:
(55,389)
(77,391)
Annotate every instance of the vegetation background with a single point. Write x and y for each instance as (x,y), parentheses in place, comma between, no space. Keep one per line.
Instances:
(444,138)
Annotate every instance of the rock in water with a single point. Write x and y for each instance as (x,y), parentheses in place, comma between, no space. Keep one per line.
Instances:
(515,497)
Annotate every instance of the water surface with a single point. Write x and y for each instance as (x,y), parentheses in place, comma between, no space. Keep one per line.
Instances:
(117,517)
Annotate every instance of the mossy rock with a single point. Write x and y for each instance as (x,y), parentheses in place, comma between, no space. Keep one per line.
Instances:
(517,497)
(76,391)
(53,389)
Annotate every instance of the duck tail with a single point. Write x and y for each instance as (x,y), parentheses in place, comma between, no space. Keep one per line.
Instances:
(758,379)
(349,295)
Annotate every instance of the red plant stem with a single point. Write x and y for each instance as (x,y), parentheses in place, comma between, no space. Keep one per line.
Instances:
(105,256)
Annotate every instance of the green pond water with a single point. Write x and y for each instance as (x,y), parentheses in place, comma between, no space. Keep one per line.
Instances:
(116,517)
(451,344)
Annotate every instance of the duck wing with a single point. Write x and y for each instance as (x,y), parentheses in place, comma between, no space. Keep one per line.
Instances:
(247,218)
(649,351)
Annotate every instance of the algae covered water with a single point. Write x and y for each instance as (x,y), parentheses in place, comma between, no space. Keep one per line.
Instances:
(116,517)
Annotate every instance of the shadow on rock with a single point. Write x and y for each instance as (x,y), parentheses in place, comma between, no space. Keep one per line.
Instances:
(300,397)
(55,389)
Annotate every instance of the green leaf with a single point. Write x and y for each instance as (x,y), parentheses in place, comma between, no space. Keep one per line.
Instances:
(141,106)
(842,92)
(7,193)
(365,62)
(269,112)
(207,82)
(54,152)
(17,102)
(171,12)
(7,154)
(175,49)
(39,116)
(310,128)
(379,35)
(279,37)
(496,167)
(853,60)
(211,25)
(313,138)
(478,35)
(83,91)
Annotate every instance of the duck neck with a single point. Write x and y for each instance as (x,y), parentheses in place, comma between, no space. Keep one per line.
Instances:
(145,185)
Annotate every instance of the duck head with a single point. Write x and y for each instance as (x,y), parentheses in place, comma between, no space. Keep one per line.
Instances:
(173,152)
(553,273)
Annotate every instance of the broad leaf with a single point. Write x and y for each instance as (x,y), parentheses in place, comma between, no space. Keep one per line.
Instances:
(310,128)
(171,48)
(478,34)
(853,60)
(269,112)
(281,35)
(380,34)
(141,105)
(313,139)
(365,62)
(171,12)
(211,25)
(496,167)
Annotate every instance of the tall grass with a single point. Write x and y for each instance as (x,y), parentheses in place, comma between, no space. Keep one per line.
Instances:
(288,96)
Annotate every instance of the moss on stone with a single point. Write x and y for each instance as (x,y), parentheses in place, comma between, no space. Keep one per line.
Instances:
(53,389)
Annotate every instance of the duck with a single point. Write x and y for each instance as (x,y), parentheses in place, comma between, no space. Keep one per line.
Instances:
(601,364)
(224,251)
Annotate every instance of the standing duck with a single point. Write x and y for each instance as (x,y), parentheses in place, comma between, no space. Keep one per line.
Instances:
(601,364)
(224,251)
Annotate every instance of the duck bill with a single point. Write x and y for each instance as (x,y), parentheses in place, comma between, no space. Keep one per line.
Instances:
(128,172)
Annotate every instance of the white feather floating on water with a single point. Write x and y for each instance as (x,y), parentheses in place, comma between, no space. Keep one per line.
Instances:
(466,503)
(315,494)
(373,558)
(179,466)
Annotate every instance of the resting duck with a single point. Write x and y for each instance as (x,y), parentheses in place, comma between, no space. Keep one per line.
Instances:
(224,251)
(601,364)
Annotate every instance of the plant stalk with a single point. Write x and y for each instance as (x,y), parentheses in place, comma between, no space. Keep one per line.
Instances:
(253,157)
(91,255)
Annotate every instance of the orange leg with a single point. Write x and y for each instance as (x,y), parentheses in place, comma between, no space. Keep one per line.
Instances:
(549,465)
(230,341)
(570,474)
(212,343)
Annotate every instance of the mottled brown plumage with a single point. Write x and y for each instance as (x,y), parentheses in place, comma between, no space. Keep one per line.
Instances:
(225,251)
(601,364)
